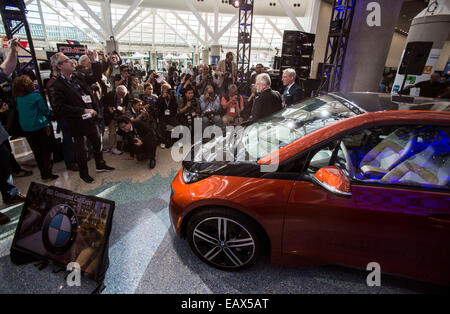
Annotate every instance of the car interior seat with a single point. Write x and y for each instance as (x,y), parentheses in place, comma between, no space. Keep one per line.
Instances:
(390,152)
(429,167)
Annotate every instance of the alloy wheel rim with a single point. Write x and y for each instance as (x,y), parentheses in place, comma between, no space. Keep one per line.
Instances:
(223,242)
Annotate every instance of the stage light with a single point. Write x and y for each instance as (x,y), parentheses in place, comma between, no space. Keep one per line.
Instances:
(235,3)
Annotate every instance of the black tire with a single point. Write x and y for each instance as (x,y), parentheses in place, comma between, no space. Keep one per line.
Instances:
(239,249)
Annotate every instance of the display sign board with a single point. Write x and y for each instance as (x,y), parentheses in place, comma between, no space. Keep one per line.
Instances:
(61,226)
(72,51)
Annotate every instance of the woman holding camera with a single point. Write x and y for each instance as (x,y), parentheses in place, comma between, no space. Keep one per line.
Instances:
(34,119)
(167,114)
(210,104)
(233,103)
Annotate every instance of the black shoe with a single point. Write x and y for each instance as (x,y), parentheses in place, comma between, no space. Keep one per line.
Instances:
(104,167)
(4,219)
(73,167)
(50,178)
(86,178)
(19,198)
(152,164)
(23,173)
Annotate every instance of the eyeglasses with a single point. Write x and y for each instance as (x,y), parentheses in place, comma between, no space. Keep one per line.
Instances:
(64,61)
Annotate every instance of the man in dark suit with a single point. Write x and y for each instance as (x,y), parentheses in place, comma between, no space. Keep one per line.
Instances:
(139,139)
(268,101)
(293,93)
(73,100)
(115,103)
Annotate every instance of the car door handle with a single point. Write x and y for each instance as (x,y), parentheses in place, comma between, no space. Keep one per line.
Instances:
(441,219)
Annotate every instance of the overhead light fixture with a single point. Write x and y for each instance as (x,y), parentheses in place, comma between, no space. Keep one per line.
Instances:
(235,3)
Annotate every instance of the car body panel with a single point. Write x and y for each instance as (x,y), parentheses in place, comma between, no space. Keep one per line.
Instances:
(262,199)
(308,225)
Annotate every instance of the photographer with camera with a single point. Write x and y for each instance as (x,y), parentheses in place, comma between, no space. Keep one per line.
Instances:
(137,111)
(167,114)
(201,79)
(136,89)
(111,68)
(149,100)
(233,103)
(227,72)
(188,84)
(210,104)
(139,139)
(115,104)
(189,108)
(123,78)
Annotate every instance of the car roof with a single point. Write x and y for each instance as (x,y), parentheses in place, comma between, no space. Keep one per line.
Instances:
(372,102)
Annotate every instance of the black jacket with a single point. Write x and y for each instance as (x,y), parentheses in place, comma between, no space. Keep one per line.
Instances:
(266,103)
(162,107)
(68,103)
(110,101)
(140,130)
(294,95)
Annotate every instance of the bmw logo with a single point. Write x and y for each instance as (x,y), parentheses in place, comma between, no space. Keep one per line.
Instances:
(59,229)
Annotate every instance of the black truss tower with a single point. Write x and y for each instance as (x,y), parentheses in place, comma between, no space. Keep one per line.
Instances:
(338,35)
(14,18)
(244,39)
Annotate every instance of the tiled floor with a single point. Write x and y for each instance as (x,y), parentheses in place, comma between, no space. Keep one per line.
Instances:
(146,257)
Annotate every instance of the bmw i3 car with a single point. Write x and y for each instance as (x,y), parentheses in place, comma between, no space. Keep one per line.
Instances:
(358,178)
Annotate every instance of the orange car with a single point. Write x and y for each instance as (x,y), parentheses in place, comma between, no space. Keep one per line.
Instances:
(358,178)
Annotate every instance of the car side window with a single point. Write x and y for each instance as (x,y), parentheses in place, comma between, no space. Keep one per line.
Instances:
(412,155)
(321,157)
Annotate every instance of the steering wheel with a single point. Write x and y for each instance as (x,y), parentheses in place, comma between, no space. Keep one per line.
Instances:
(348,160)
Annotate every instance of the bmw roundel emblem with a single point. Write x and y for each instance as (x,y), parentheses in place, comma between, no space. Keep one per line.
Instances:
(60,229)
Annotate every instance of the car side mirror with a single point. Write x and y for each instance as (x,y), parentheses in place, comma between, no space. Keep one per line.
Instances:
(332,179)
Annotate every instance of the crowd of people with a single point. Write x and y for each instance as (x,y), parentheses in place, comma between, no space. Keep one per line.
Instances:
(99,95)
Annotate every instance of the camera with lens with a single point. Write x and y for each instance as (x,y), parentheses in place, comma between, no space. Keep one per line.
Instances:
(172,92)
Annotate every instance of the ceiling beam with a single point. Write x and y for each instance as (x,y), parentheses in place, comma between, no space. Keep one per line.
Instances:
(75,12)
(228,26)
(263,38)
(92,14)
(130,10)
(274,27)
(41,16)
(131,19)
(201,41)
(174,30)
(126,31)
(51,7)
(199,18)
(291,15)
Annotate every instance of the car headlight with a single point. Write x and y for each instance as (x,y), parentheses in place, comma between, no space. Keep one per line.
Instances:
(191,177)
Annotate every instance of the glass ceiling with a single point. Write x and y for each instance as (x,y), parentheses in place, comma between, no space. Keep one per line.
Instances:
(140,31)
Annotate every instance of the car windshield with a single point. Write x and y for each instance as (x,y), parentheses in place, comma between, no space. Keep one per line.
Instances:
(290,124)
(266,136)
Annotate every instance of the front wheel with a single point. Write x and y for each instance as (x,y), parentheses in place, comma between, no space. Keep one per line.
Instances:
(225,239)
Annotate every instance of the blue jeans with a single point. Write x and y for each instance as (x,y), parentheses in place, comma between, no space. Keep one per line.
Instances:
(7,188)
